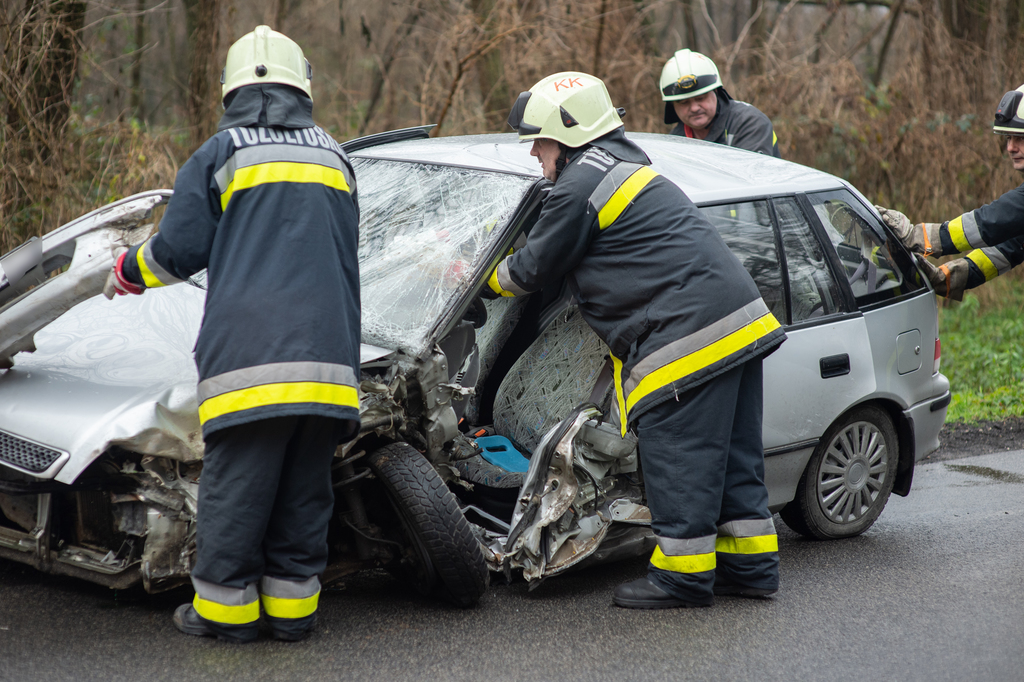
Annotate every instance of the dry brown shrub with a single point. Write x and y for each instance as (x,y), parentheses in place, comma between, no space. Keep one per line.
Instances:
(89,169)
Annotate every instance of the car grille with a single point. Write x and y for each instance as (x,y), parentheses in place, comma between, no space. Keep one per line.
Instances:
(26,455)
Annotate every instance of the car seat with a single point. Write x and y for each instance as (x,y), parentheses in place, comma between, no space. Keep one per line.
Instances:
(556,373)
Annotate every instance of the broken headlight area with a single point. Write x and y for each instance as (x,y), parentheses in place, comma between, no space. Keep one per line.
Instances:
(129,519)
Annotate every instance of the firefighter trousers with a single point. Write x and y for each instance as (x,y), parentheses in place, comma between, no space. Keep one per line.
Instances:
(703,470)
(265,500)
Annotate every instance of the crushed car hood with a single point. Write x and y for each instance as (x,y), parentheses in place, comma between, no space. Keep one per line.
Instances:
(109,373)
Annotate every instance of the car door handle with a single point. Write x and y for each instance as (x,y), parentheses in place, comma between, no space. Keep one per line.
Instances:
(834,366)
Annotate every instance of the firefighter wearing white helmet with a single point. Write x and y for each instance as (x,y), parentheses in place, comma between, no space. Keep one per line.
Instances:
(267,206)
(992,236)
(265,56)
(696,101)
(687,331)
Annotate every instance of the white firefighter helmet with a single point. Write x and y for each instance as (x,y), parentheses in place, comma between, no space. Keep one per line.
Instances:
(570,107)
(265,56)
(1010,114)
(688,74)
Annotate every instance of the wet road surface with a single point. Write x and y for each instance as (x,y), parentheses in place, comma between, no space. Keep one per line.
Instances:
(934,591)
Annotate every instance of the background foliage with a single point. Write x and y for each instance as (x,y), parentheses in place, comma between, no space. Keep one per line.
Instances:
(104,98)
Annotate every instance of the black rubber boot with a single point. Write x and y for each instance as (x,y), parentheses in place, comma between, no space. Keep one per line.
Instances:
(643,594)
(290,629)
(191,623)
(727,588)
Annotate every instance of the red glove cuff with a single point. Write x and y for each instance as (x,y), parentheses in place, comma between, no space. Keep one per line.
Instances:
(123,286)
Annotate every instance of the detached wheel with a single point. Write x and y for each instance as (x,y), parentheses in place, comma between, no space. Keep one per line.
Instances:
(848,479)
(445,557)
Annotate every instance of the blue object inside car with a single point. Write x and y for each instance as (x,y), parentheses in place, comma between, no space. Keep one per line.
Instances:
(500,452)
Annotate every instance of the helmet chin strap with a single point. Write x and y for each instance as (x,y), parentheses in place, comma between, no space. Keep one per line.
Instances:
(563,158)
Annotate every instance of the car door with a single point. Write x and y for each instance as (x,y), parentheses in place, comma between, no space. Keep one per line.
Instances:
(825,365)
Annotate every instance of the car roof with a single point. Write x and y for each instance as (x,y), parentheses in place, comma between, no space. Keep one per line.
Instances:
(707,172)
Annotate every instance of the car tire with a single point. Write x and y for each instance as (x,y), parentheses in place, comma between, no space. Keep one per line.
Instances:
(447,558)
(848,478)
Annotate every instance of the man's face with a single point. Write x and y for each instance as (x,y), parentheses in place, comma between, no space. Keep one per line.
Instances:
(697,112)
(1015,148)
(547,152)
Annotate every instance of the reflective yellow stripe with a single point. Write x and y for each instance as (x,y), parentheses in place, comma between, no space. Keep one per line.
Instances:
(278,394)
(492,282)
(278,607)
(775,138)
(619,397)
(984,263)
(687,563)
(758,544)
(282,171)
(709,355)
(148,278)
(956,233)
(625,194)
(229,615)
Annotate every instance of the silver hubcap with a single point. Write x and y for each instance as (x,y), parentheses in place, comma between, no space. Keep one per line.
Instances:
(852,473)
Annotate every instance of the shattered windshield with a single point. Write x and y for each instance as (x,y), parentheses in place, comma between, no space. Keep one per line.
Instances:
(422,230)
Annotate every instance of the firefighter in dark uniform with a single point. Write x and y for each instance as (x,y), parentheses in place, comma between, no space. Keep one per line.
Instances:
(993,235)
(268,207)
(687,331)
(697,102)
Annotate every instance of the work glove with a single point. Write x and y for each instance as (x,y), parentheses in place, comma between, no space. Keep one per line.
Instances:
(948,279)
(117,284)
(922,238)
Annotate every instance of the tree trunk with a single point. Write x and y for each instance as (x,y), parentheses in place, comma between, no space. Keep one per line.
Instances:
(203,21)
(138,101)
(896,10)
(494,91)
(60,44)
(691,26)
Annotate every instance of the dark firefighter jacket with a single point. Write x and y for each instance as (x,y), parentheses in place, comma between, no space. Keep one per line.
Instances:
(736,124)
(268,206)
(995,232)
(650,273)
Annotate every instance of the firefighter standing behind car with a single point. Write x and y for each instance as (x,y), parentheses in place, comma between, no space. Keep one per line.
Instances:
(687,331)
(268,207)
(995,231)
(696,100)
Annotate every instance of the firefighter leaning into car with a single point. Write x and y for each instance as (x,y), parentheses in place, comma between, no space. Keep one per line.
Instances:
(697,102)
(268,207)
(687,331)
(993,235)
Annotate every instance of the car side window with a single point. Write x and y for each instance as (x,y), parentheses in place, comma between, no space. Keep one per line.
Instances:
(812,291)
(747,230)
(874,274)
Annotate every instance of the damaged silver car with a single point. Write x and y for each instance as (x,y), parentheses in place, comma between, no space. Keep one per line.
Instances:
(490,439)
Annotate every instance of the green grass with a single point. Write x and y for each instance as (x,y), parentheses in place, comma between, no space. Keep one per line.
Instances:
(982,354)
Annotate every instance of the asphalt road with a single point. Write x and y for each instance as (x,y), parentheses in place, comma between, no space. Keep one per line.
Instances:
(934,591)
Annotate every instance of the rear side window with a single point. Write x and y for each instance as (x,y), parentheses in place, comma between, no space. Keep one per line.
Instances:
(747,230)
(812,290)
(874,273)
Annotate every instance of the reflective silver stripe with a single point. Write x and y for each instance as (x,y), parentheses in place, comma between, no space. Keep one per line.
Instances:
(997,258)
(694,342)
(271,153)
(688,546)
(747,528)
(155,268)
(611,182)
(971,232)
(289,589)
(275,373)
(505,280)
(228,596)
